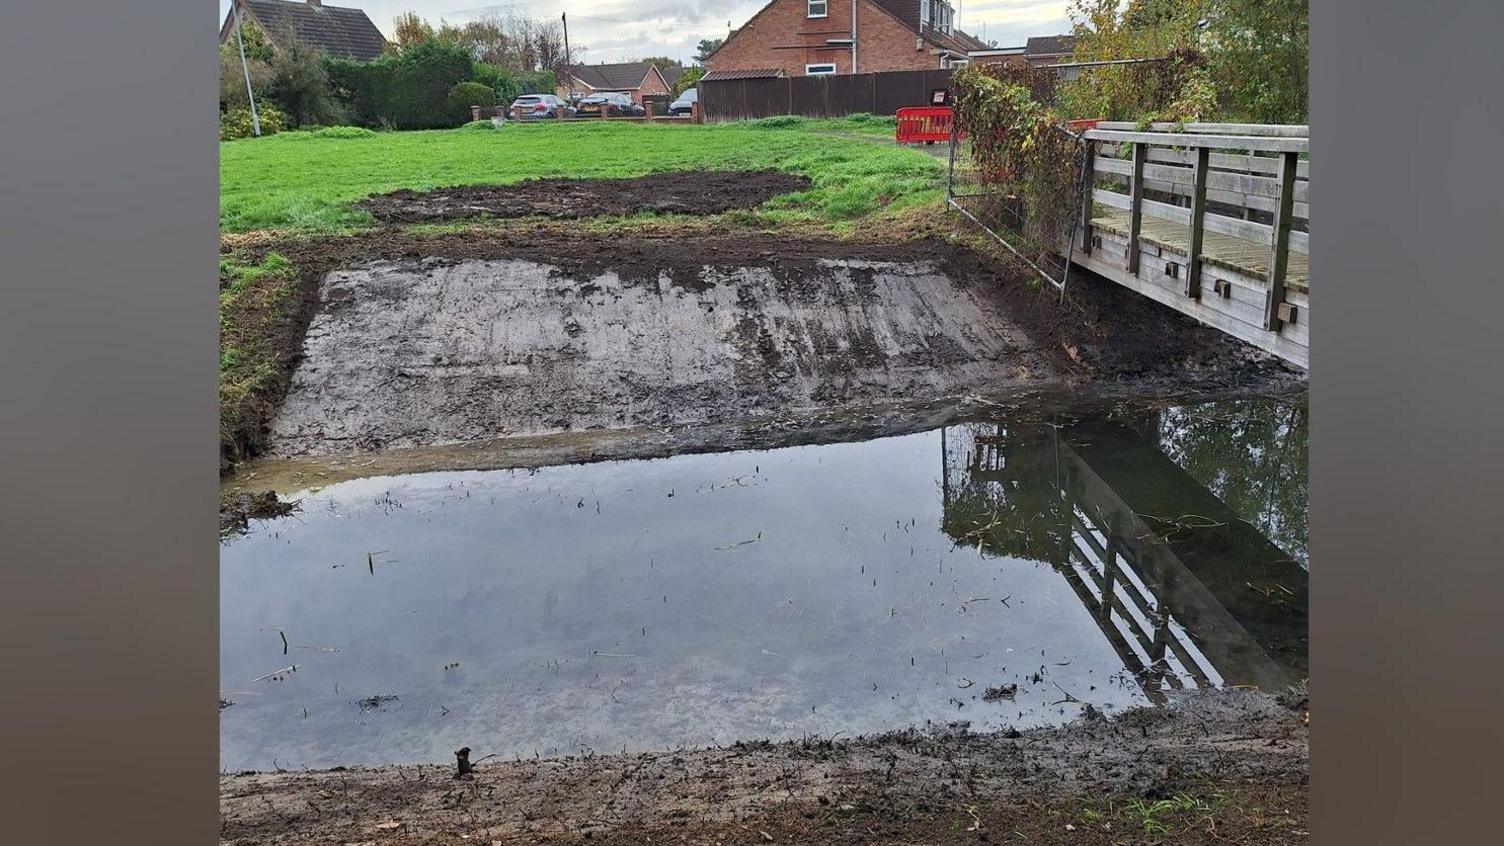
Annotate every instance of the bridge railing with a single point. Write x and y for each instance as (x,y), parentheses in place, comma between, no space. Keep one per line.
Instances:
(1225,201)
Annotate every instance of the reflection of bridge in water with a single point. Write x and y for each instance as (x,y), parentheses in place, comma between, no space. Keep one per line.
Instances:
(1188,593)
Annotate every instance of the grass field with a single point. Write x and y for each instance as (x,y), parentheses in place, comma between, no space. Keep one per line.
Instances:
(301,181)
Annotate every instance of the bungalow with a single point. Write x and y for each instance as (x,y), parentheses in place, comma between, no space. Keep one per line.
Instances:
(635,79)
(823,37)
(347,33)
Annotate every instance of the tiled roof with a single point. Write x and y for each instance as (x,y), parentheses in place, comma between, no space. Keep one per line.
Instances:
(672,73)
(626,76)
(908,12)
(743,73)
(1050,45)
(338,31)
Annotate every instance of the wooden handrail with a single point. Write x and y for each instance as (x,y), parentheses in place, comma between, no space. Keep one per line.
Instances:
(1271,144)
(1278,130)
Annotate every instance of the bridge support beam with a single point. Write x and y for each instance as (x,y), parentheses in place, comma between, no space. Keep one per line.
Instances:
(1136,205)
(1198,222)
(1280,250)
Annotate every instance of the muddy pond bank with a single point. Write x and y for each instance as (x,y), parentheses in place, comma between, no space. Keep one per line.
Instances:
(421,340)
(1228,766)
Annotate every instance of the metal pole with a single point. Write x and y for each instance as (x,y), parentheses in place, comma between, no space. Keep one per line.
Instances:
(853,36)
(564,18)
(245,70)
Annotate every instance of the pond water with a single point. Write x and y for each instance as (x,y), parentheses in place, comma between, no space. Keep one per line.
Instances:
(839,589)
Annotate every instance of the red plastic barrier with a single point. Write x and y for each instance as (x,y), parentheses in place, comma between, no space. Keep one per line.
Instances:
(917,124)
(1082,125)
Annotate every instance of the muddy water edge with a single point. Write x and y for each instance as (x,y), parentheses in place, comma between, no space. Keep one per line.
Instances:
(1068,588)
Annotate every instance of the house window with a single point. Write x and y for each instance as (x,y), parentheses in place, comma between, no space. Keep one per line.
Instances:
(924,11)
(818,8)
(819,70)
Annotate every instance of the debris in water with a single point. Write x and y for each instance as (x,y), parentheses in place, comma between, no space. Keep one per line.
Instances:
(1001,692)
(374,703)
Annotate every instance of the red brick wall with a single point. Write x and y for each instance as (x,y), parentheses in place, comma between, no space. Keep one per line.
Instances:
(783,37)
(652,85)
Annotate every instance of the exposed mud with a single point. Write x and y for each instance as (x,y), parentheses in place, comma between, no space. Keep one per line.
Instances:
(452,338)
(678,192)
(1244,754)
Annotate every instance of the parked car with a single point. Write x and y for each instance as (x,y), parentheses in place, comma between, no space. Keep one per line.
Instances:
(539,107)
(686,102)
(608,104)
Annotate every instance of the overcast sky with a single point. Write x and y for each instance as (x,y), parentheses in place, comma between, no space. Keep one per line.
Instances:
(619,30)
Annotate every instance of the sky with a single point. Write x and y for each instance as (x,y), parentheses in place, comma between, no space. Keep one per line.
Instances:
(622,30)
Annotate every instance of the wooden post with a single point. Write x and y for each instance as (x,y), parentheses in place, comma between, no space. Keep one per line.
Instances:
(1279,256)
(1088,182)
(1136,205)
(1198,221)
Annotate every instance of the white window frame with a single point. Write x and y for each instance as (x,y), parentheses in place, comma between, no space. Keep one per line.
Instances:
(831,72)
(809,8)
(924,11)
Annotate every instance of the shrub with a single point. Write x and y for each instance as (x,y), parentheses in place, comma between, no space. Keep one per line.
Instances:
(777,122)
(342,132)
(236,122)
(479,125)
(466,94)
(299,85)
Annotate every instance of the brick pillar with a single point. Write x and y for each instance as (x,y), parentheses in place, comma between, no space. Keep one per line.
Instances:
(475,112)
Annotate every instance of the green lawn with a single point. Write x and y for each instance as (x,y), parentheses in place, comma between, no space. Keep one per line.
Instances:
(299,181)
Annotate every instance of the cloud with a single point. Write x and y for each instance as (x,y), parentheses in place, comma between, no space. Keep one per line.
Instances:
(616,30)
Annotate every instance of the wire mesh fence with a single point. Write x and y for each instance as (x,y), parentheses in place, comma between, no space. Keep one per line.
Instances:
(1038,234)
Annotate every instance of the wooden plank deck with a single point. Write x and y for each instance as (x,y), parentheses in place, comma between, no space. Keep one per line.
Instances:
(1250,257)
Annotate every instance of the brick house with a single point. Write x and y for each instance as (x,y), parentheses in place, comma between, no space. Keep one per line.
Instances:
(338,31)
(819,37)
(1039,51)
(635,79)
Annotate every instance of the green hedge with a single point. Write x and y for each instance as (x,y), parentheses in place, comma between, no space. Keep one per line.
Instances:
(408,90)
(461,97)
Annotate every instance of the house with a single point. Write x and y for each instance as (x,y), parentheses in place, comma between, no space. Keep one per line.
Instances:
(823,37)
(1039,51)
(338,31)
(1044,50)
(635,79)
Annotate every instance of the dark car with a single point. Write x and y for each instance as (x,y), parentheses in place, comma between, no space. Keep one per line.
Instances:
(608,104)
(539,107)
(686,102)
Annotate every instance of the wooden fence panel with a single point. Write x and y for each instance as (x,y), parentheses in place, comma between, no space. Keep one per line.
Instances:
(819,96)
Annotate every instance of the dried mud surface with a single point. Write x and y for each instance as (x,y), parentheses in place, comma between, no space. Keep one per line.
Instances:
(695,192)
(430,340)
(1247,752)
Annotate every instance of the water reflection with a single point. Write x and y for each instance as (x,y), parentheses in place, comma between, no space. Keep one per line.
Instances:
(1185,585)
(704,599)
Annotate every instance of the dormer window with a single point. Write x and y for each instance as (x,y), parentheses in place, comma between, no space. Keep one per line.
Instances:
(818,8)
(937,14)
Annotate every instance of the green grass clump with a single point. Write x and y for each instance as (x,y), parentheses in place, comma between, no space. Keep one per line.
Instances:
(342,132)
(309,182)
(259,327)
(478,126)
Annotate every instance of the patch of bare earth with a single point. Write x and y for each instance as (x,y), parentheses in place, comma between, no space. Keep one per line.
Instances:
(696,192)
(1230,767)
(425,340)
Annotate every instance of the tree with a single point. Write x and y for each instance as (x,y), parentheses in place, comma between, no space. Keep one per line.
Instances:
(1259,54)
(659,61)
(706,47)
(409,30)
(299,85)
(687,80)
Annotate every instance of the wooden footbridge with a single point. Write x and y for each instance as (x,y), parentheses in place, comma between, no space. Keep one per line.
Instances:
(1210,219)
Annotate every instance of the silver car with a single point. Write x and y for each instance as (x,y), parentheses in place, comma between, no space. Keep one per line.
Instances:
(686,102)
(539,107)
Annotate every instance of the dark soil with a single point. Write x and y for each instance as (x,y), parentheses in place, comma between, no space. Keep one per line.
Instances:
(1105,339)
(1234,761)
(679,192)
